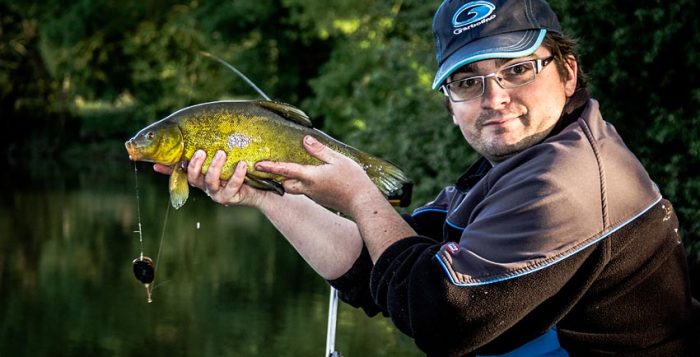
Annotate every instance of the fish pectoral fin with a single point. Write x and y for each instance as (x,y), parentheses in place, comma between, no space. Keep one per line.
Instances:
(179,188)
(286,111)
(264,184)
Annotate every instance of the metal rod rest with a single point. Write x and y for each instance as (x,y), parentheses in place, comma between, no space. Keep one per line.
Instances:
(332,319)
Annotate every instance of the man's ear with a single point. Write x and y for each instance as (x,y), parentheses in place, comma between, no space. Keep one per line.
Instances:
(571,78)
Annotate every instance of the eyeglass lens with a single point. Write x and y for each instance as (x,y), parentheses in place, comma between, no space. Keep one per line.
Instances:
(511,76)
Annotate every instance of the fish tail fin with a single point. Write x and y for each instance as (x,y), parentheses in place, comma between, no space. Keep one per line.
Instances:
(389,178)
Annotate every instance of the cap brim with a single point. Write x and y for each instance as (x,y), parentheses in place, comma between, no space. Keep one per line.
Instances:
(507,45)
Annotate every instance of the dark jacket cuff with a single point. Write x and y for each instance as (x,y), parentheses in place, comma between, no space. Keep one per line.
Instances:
(353,286)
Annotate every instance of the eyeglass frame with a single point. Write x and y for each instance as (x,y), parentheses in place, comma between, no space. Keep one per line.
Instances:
(540,64)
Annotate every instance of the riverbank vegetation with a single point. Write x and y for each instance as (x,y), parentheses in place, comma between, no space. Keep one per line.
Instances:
(78,78)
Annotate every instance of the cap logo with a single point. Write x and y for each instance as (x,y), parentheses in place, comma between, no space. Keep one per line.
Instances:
(478,12)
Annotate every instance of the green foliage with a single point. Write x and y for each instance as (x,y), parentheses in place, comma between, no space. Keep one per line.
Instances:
(645,65)
(77,79)
(374,92)
(107,68)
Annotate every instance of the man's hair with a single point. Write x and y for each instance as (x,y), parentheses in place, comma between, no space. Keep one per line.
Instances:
(561,47)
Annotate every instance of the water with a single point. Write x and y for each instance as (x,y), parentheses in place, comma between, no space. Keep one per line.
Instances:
(227,283)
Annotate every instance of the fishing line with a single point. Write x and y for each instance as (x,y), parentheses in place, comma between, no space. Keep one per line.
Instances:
(235,70)
(143,266)
(162,236)
(138,207)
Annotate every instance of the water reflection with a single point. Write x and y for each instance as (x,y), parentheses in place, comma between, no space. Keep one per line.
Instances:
(232,287)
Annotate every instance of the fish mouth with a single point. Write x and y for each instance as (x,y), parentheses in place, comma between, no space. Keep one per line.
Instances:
(133,150)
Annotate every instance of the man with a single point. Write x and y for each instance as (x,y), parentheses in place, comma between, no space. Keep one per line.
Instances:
(556,242)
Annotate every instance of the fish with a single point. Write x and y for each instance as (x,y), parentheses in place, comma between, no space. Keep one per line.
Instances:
(250,131)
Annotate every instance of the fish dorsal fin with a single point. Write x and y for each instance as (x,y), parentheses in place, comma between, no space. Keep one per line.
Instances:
(286,111)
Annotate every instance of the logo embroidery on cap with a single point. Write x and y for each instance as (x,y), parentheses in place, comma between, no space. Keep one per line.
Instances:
(480,13)
(452,247)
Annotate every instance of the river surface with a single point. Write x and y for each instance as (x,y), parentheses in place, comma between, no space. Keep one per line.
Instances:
(227,284)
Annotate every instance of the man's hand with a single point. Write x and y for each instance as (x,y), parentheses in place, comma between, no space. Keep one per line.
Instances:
(228,192)
(338,183)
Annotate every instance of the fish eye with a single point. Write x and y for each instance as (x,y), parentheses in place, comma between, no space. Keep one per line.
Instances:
(150,135)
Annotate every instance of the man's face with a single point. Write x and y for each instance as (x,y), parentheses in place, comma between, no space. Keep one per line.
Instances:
(504,122)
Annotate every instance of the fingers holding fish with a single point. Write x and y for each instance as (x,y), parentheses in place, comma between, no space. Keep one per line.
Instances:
(163,169)
(287,169)
(299,172)
(298,178)
(194,169)
(236,192)
(334,184)
(230,192)
(212,178)
(320,151)
(199,180)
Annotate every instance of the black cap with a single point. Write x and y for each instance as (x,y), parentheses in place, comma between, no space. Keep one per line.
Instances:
(470,31)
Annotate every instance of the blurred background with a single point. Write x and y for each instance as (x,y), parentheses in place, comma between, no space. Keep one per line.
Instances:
(77,79)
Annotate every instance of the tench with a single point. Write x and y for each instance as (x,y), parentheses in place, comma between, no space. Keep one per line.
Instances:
(251,131)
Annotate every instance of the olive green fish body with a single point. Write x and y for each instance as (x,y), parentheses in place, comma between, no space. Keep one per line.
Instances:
(249,131)
(245,132)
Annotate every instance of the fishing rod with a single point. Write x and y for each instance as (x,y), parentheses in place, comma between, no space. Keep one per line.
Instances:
(236,71)
(333,300)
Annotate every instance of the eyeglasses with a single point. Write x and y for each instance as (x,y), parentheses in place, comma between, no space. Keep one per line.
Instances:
(511,76)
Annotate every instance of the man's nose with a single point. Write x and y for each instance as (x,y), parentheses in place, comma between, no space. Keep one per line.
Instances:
(495,96)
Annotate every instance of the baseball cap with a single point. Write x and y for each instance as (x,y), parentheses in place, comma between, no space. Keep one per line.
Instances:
(470,31)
